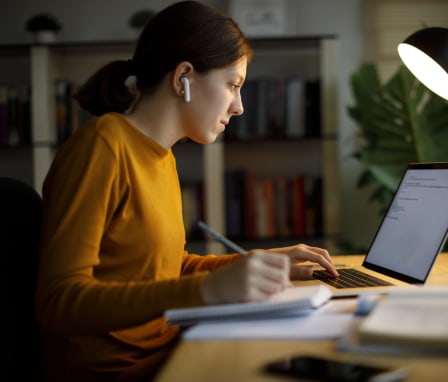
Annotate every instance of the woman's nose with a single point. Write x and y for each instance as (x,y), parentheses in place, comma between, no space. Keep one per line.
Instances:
(237,106)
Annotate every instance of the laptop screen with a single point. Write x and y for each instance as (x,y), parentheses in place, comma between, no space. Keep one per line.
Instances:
(414,228)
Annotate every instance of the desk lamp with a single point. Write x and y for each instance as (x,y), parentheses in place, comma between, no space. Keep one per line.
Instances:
(425,53)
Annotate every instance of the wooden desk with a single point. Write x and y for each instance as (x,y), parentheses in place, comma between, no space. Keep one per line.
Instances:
(242,360)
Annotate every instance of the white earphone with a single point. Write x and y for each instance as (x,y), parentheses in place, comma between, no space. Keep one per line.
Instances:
(186,84)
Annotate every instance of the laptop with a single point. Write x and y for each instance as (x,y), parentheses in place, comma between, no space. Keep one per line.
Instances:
(409,238)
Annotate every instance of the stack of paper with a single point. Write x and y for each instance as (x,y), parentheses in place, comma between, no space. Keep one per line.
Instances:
(420,320)
(406,321)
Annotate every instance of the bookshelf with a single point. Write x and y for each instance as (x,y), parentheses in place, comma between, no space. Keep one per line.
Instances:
(73,62)
(308,155)
(309,58)
(15,151)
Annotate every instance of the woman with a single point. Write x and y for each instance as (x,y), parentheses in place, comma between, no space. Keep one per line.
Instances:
(112,257)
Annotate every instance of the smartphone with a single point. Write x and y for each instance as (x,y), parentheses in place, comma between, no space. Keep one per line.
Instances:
(325,369)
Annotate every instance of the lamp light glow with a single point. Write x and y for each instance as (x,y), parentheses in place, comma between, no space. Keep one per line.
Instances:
(425,53)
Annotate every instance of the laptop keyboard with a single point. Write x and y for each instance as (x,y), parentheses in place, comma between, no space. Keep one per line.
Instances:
(349,278)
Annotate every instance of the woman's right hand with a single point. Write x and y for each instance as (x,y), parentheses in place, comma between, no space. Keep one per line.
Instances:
(249,279)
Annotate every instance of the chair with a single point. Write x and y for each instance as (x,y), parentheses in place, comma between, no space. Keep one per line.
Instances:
(20,221)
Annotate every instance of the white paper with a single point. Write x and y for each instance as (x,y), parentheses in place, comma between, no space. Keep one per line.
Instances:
(332,321)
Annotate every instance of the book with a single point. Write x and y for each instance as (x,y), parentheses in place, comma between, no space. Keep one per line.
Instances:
(414,318)
(295,108)
(281,207)
(272,206)
(276,107)
(313,122)
(249,205)
(299,206)
(234,203)
(264,208)
(291,301)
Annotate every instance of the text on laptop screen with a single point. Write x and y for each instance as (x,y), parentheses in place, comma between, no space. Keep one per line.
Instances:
(415,224)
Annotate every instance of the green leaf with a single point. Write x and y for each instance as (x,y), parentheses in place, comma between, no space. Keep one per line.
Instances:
(399,122)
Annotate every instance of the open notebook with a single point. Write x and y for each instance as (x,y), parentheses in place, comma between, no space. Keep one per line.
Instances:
(293,301)
(410,237)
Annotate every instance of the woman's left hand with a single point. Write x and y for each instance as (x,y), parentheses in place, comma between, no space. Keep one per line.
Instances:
(301,253)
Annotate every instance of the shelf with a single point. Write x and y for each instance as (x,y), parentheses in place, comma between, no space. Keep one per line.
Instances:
(312,58)
(275,161)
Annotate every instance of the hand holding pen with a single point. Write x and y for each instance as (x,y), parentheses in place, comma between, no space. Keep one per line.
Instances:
(252,278)
(300,255)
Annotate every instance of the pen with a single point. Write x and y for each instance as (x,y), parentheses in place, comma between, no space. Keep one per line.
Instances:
(223,240)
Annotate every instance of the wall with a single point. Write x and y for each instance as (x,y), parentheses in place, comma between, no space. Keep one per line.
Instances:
(387,22)
(82,19)
(107,20)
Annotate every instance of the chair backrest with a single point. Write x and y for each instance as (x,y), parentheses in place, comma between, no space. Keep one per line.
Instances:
(20,221)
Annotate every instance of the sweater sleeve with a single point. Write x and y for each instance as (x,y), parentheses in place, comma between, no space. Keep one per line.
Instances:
(70,299)
(195,263)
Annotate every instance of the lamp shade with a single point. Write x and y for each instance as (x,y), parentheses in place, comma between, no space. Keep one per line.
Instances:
(425,53)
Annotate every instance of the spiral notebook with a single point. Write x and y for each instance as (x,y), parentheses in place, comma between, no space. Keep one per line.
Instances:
(293,301)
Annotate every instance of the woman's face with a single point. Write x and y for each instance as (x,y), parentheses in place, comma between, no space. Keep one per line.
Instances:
(215,98)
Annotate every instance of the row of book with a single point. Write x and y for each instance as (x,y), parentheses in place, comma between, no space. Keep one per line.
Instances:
(260,207)
(15,115)
(278,108)
(69,115)
(263,207)
(273,108)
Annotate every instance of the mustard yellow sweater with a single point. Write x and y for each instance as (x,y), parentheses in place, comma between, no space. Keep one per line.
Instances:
(112,257)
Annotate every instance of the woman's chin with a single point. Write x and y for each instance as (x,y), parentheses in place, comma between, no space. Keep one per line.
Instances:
(205,140)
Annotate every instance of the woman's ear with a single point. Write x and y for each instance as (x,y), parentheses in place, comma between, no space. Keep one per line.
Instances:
(182,80)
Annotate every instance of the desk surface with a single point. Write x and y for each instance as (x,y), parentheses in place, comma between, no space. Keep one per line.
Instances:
(242,360)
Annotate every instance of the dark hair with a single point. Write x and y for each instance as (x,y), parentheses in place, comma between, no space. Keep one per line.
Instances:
(185,31)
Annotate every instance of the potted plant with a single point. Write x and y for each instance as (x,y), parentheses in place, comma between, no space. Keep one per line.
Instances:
(44,26)
(399,122)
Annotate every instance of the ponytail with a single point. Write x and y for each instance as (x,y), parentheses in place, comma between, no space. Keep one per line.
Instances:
(105,91)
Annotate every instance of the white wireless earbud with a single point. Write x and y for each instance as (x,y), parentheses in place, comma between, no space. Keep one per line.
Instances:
(186,84)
